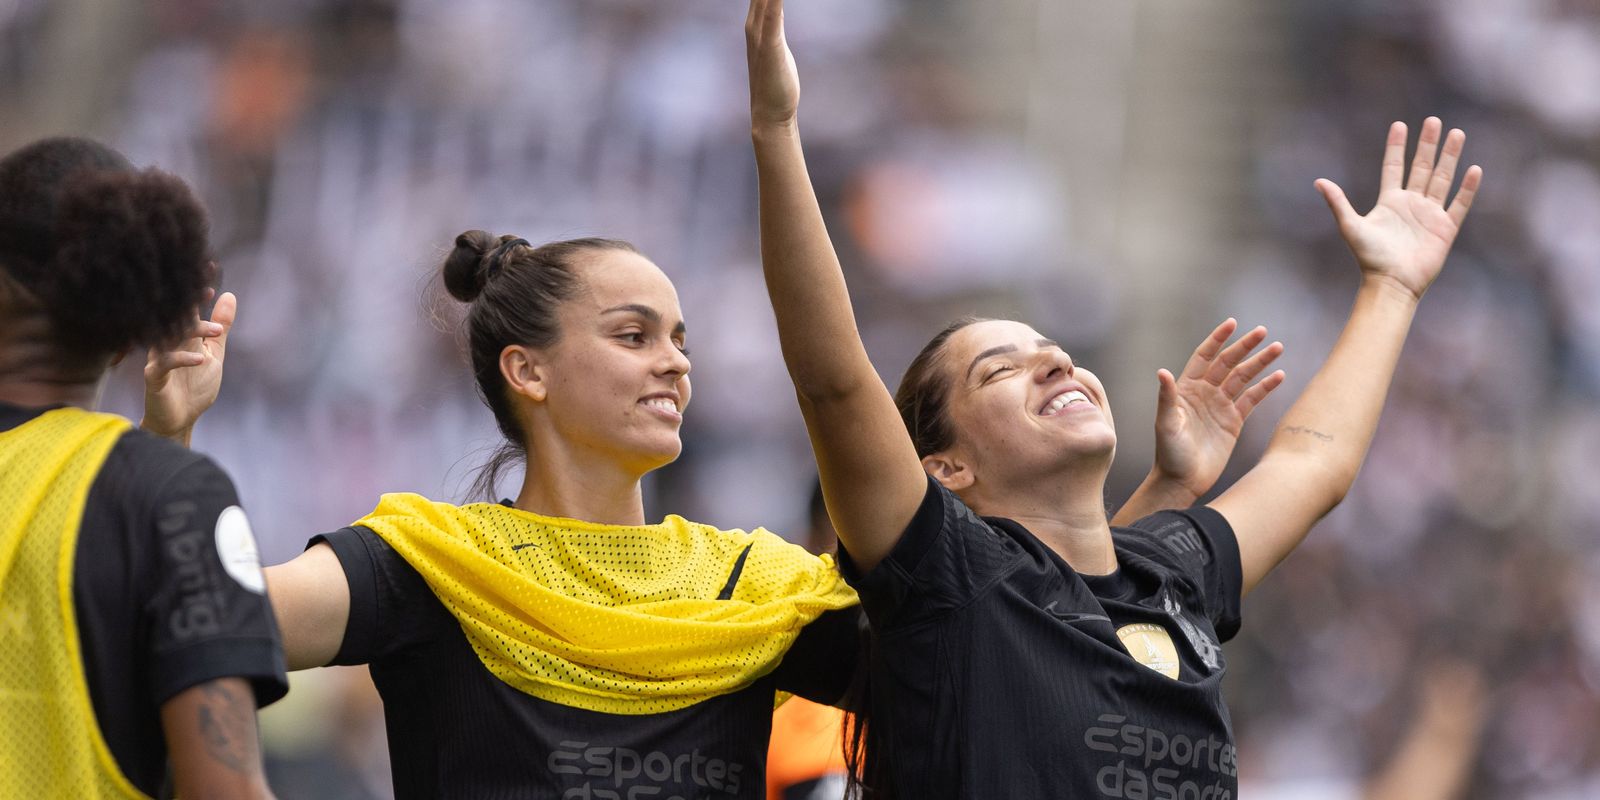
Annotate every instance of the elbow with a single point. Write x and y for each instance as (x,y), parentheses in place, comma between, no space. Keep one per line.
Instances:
(824,391)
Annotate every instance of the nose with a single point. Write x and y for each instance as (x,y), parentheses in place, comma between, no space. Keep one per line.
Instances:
(676,363)
(1053,364)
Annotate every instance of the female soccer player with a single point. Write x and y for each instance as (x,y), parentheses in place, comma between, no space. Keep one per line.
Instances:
(135,619)
(1027,649)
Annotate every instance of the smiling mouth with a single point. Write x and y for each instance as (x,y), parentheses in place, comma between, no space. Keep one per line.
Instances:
(1068,399)
(664,406)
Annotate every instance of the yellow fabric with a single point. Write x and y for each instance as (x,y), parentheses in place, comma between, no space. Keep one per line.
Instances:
(51,745)
(612,618)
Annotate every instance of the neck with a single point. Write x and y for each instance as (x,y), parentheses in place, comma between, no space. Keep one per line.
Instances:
(563,482)
(35,372)
(1066,512)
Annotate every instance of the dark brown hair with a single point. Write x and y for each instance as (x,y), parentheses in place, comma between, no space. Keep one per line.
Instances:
(512,290)
(115,256)
(924,393)
(922,398)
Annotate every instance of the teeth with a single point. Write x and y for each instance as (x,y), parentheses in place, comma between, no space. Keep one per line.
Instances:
(661,403)
(1063,400)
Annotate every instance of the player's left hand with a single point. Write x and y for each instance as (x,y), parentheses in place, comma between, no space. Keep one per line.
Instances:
(1201,412)
(182,381)
(1404,239)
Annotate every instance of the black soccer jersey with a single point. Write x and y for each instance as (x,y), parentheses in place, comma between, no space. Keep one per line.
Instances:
(456,730)
(1002,672)
(160,606)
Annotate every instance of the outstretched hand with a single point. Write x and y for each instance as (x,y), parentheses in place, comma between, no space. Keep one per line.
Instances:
(1201,412)
(774,81)
(1406,236)
(182,381)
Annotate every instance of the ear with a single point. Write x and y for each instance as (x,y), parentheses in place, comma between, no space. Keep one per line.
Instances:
(950,470)
(523,368)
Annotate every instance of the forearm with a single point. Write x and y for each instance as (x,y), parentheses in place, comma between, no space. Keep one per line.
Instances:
(816,324)
(1327,432)
(1156,493)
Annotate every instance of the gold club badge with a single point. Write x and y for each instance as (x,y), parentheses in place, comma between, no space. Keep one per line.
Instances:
(1151,646)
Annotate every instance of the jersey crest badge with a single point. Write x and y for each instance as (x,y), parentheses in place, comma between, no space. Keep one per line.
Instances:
(1152,646)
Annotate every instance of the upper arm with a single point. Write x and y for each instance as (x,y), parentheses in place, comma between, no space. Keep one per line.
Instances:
(1272,508)
(311,599)
(872,480)
(211,737)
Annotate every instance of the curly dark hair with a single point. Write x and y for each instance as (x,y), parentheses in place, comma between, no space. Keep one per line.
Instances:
(115,256)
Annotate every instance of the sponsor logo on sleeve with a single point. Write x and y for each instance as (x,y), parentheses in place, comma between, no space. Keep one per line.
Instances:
(236,546)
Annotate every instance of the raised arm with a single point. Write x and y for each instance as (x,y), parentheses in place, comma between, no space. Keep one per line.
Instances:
(1199,416)
(872,479)
(1319,444)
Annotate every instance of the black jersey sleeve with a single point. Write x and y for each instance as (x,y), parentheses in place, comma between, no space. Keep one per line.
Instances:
(822,661)
(391,607)
(946,557)
(207,609)
(1197,543)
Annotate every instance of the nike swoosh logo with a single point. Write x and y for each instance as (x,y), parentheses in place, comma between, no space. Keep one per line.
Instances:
(524,544)
(1073,616)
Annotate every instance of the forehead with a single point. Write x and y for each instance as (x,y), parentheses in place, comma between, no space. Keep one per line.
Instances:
(614,278)
(981,336)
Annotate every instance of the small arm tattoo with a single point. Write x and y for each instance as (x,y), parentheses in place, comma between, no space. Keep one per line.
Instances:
(1319,435)
(226,724)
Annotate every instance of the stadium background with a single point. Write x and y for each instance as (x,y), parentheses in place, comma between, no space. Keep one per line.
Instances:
(1123,174)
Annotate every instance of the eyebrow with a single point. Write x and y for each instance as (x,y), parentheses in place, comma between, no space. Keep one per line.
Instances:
(643,311)
(1005,348)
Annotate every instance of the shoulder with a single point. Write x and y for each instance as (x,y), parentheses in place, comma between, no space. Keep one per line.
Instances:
(1187,535)
(144,465)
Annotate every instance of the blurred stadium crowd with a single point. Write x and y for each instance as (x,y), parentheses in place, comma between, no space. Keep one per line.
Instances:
(1451,606)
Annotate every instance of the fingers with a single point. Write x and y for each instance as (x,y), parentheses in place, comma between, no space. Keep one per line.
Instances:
(764,21)
(1234,355)
(1469,189)
(1343,213)
(222,316)
(1427,149)
(1200,361)
(1445,173)
(1167,396)
(1394,158)
(1253,396)
(1236,382)
(160,362)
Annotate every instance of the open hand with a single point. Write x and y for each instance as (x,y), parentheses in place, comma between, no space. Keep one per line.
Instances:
(1201,412)
(1406,236)
(182,381)
(774,81)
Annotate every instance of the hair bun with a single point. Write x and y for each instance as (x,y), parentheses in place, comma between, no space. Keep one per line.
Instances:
(466,269)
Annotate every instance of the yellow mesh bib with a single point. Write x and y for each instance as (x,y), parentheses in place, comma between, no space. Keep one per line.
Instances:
(612,618)
(51,744)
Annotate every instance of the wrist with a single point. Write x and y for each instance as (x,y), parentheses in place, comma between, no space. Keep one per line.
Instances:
(1173,491)
(1390,289)
(776,128)
(180,435)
